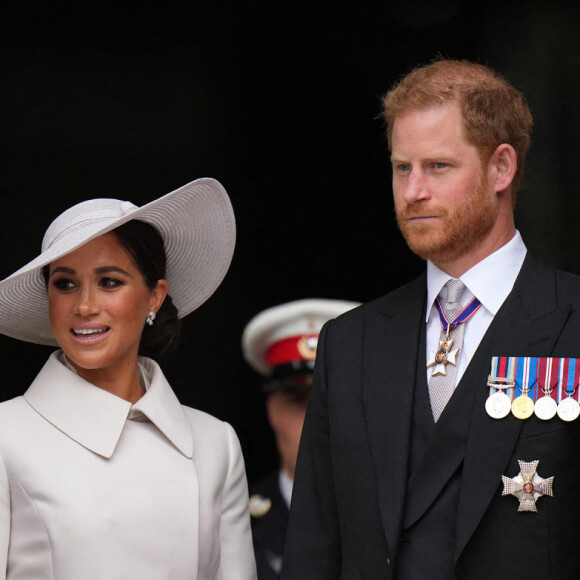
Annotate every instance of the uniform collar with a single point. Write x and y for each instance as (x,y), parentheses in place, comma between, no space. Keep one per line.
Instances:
(95,418)
(491,280)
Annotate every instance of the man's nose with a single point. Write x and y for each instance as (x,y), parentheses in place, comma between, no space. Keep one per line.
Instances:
(417,187)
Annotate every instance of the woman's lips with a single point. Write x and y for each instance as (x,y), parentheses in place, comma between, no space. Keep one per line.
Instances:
(92,335)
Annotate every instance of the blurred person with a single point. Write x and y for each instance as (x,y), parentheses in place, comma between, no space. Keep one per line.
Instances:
(280,344)
(440,438)
(103,474)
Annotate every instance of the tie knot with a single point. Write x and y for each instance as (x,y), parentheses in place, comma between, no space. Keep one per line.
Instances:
(455,289)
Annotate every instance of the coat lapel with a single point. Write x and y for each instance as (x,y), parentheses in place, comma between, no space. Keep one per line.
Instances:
(392,334)
(528,324)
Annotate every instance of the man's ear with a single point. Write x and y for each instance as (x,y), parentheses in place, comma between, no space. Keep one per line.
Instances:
(503,163)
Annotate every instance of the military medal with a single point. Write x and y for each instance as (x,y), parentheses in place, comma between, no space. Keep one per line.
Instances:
(527,486)
(546,407)
(499,404)
(532,384)
(444,354)
(568,408)
(523,405)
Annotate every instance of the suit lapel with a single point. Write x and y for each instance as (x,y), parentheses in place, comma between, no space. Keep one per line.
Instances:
(392,333)
(528,324)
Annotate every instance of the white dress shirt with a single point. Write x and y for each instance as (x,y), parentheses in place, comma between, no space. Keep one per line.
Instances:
(94,488)
(491,281)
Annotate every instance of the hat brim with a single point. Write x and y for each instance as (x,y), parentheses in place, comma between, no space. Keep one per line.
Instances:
(197,225)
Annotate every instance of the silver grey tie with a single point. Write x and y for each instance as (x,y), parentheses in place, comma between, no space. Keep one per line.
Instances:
(441,386)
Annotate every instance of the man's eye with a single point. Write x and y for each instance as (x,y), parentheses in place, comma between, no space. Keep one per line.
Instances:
(404,167)
(440,165)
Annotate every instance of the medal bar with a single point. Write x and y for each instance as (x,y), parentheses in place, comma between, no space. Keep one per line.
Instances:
(544,387)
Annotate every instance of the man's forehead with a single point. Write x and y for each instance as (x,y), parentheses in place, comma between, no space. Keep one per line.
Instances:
(436,129)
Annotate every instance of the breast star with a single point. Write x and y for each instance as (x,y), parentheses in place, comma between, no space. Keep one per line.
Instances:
(527,486)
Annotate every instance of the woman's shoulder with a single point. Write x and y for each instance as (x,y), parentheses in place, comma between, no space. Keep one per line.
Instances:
(202,420)
(11,407)
(211,433)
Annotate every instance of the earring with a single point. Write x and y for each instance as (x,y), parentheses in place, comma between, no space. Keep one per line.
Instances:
(149,320)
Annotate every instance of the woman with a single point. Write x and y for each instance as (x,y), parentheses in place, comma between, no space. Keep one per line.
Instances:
(103,474)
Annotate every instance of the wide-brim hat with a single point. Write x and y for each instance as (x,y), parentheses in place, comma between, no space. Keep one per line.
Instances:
(198,229)
(281,341)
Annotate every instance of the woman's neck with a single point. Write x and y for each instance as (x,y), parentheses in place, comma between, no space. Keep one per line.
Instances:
(124,382)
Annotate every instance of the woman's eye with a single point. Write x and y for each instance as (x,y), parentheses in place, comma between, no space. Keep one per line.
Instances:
(110,283)
(63,284)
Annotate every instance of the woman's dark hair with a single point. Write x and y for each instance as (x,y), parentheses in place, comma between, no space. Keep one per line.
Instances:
(145,245)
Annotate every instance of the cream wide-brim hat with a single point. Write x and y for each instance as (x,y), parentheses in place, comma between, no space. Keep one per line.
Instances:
(198,229)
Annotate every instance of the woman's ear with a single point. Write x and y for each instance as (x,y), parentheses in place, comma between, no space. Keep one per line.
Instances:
(158,295)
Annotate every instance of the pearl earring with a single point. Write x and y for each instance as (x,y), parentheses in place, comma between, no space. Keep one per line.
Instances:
(149,320)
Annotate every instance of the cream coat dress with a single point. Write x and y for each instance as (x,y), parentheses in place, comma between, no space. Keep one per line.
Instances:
(92,488)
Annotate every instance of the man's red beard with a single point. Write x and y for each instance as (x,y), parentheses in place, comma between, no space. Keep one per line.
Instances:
(451,234)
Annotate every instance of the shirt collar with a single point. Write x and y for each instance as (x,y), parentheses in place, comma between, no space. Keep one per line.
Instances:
(482,280)
(95,418)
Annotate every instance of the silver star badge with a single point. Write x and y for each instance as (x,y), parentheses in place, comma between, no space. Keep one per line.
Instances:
(442,357)
(527,486)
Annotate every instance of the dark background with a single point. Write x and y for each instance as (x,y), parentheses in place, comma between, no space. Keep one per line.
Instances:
(280,102)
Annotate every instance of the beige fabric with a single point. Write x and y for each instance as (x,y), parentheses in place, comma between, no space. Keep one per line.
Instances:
(86,492)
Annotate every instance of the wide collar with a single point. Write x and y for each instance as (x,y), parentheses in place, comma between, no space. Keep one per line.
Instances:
(527,324)
(95,418)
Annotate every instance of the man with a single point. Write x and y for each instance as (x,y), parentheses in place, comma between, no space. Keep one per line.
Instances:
(280,344)
(406,470)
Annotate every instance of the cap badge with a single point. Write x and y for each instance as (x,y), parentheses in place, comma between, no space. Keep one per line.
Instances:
(307,347)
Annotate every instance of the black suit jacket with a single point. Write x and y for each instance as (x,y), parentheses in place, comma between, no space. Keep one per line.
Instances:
(353,491)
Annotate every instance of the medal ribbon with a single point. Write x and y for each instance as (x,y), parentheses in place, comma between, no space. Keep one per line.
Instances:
(569,378)
(503,367)
(463,316)
(538,376)
(526,372)
(554,367)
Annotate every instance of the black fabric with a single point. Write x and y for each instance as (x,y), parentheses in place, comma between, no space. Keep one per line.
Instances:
(354,502)
(269,530)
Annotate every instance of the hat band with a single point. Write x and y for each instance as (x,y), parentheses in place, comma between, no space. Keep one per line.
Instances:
(293,348)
